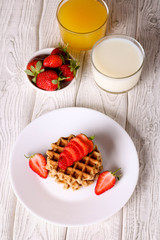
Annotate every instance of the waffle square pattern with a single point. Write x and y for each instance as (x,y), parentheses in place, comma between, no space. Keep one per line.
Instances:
(81,173)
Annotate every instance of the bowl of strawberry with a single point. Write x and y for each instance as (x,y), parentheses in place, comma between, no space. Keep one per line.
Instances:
(51,69)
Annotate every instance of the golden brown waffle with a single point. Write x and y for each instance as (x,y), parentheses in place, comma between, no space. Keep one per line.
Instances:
(81,173)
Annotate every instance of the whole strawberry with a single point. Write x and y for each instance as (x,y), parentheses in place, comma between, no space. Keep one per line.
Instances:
(62,51)
(58,51)
(69,70)
(52,61)
(34,67)
(48,80)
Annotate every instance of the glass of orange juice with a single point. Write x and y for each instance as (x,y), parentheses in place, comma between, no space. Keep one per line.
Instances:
(82,22)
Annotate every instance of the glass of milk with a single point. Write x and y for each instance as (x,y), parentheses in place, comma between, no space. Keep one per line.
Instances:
(117,62)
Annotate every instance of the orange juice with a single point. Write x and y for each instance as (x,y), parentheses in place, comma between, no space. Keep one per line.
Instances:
(82,22)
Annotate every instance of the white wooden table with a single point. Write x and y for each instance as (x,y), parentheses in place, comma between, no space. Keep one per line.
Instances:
(29,25)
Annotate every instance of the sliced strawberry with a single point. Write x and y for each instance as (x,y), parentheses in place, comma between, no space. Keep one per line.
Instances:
(79,148)
(70,149)
(83,145)
(106,181)
(37,163)
(83,148)
(62,162)
(68,156)
(87,141)
(76,151)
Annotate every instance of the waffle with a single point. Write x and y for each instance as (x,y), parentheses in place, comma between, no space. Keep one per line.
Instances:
(81,173)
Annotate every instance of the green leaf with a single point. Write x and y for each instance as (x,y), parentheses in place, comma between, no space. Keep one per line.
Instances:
(42,70)
(33,69)
(74,66)
(63,59)
(54,81)
(38,65)
(92,137)
(34,79)
(29,73)
(61,78)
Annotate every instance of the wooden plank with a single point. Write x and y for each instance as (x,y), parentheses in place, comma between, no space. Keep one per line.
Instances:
(142,213)
(109,229)
(27,225)
(15,94)
(32,227)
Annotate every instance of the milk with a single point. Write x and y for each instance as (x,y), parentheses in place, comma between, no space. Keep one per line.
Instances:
(117,63)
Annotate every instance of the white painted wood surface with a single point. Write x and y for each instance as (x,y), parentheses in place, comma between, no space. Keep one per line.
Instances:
(29,25)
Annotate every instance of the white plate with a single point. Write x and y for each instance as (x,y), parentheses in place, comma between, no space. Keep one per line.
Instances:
(49,200)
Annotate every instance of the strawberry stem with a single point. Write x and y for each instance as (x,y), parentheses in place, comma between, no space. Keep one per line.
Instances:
(114,173)
(91,137)
(29,156)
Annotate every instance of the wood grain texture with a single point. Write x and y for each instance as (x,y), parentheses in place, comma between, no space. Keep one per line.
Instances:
(23,31)
(26,225)
(15,96)
(109,229)
(143,126)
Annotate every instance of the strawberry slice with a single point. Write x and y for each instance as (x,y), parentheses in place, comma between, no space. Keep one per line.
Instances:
(87,141)
(81,145)
(72,151)
(68,155)
(106,181)
(78,147)
(76,151)
(62,162)
(37,163)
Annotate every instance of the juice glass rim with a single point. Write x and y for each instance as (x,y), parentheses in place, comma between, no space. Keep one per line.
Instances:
(122,36)
(82,32)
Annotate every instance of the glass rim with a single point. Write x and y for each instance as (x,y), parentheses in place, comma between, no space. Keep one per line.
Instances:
(122,36)
(103,2)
